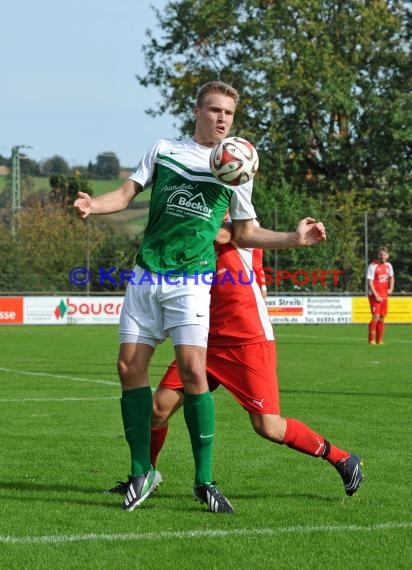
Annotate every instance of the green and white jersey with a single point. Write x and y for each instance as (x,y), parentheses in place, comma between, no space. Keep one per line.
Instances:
(187,206)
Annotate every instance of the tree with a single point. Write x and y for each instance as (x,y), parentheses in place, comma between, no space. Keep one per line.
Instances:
(114,251)
(64,188)
(26,189)
(316,79)
(50,241)
(11,266)
(107,166)
(55,165)
(5,161)
(28,166)
(324,93)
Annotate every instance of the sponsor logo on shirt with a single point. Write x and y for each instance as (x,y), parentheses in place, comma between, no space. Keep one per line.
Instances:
(183,203)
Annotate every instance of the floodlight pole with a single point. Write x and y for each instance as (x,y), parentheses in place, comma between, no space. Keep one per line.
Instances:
(366,247)
(15,187)
(275,220)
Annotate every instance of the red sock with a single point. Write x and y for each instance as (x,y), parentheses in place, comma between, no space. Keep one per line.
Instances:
(379,330)
(372,330)
(300,437)
(335,454)
(157,441)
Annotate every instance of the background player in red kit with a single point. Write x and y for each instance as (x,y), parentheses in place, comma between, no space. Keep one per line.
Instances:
(241,355)
(381,281)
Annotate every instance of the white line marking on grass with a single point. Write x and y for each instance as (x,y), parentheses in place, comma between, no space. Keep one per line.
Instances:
(188,534)
(58,376)
(8,400)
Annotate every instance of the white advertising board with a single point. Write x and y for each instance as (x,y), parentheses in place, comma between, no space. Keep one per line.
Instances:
(72,310)
(309,310)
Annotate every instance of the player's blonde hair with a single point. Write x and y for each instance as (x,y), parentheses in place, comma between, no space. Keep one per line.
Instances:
(216,87)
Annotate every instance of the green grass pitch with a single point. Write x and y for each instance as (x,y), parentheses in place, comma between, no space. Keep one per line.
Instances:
(62,444)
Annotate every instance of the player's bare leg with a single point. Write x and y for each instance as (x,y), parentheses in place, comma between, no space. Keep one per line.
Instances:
(165,403)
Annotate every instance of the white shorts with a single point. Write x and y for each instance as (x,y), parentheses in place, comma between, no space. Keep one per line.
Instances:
(156,306)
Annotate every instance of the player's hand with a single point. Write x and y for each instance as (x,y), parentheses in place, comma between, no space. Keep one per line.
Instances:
(378,299)
(224,234)
(310,232)
(83,204)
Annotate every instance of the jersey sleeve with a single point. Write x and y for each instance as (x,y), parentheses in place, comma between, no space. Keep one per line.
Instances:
(241,207)
(371,271)
(143,174)
(391,272)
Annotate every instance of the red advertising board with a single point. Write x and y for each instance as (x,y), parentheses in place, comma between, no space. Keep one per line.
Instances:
(11,310)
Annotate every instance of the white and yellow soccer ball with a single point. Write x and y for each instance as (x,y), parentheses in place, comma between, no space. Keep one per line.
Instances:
(234,161)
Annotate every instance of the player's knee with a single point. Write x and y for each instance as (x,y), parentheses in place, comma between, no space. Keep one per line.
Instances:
(128,375)
(192,374)
(270,427)
(261,430)
(123,369)
(160,414)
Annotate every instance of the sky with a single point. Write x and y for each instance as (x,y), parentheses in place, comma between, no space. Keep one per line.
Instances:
(67,79)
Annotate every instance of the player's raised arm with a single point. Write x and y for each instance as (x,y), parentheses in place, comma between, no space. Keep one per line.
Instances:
(108,203)
(247,234)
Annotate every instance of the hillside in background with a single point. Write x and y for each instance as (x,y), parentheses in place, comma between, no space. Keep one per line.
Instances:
(131,221)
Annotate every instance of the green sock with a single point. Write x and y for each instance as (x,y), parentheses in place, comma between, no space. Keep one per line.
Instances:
(136,406)
(199,412)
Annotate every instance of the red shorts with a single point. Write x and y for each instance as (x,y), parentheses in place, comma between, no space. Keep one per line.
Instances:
(378,308)
(248,372)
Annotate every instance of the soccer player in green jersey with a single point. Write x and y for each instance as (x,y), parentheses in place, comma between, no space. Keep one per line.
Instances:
(169,292)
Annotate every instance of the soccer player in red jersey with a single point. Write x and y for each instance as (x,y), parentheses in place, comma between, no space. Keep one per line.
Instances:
(381,281)
(241,356)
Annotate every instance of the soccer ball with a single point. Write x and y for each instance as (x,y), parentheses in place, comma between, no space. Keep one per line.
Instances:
(234,161)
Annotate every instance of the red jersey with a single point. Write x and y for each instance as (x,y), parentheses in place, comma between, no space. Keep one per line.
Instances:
(238,312)
(380,273)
